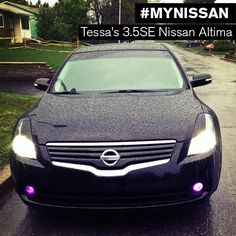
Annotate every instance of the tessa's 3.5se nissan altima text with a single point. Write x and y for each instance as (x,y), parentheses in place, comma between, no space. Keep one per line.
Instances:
(118,127)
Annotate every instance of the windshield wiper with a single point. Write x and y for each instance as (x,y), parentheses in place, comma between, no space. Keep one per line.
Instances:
(132,91)
(72,91)
(66,92)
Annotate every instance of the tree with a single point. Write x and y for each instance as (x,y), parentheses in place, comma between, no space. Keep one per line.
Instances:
(38,4)
(61,21)
(72,13)
(199,1)
(127,11)
(98,8)
(45,21)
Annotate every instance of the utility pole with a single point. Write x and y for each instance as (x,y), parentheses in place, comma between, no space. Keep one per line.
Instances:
(119,15)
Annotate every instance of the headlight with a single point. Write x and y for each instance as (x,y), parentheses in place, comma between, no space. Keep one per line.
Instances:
(205,141)
(24,147)
(22,143)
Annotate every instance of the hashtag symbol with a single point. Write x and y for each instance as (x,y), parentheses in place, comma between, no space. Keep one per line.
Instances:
(144,13)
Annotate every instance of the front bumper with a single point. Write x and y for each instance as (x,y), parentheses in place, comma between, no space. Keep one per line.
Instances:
(167,184)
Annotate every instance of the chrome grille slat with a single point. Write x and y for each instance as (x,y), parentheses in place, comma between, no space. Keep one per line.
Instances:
(99,144)
(120,149)
(123,154)
(74,159)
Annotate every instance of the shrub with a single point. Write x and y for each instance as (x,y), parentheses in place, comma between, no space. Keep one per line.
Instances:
(223,45)
(4,42)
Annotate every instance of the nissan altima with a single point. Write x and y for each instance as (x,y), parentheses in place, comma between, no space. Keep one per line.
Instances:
(118,127)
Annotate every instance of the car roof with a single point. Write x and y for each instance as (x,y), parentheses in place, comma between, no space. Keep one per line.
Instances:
(121,47)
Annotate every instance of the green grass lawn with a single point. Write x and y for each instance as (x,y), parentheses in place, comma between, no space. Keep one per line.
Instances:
(52,57)
(12,106)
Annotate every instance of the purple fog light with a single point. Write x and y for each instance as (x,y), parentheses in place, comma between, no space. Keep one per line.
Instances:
(30,190)
(197,187)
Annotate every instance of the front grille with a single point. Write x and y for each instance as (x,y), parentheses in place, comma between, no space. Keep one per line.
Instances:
(130,152)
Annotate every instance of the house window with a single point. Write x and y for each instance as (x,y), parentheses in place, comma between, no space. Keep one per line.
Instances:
(1,21)
(25,22)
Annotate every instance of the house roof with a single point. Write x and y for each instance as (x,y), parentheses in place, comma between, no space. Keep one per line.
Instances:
(33,10)
(14,10)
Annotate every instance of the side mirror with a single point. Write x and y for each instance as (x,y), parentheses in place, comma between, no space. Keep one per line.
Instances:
(201,79)
(42,83)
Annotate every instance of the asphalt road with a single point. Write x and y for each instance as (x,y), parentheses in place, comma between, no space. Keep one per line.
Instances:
(217,217)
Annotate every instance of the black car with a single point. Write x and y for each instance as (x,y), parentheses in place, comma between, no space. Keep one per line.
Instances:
(119,127)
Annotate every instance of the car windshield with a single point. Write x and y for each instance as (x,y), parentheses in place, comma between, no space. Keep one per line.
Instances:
(119,71)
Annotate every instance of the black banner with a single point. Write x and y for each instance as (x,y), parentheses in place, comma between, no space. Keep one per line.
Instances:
(157,32)
(185,13)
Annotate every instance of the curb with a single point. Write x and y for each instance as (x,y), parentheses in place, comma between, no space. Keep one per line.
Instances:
(5,179)
(228,59)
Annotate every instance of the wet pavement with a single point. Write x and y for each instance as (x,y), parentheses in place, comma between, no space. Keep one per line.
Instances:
(22,86)
(213,218)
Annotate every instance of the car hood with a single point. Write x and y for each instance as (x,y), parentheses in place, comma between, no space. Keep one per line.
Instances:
(115,117)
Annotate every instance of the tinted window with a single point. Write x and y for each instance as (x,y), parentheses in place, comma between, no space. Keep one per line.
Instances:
(119,70)
(1,21)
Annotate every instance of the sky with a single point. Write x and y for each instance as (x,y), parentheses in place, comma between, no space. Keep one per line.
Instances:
(52,2)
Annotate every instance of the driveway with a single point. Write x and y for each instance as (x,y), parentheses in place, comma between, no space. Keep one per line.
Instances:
(19,86)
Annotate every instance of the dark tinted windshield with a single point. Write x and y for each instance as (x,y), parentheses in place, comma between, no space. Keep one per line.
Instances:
(119,70)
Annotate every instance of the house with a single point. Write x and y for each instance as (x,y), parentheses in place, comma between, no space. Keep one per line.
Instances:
(15,22)
(32,19)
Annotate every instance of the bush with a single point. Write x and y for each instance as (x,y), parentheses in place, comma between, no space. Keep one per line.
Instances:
(4,42)
(207,42)
(223,45)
